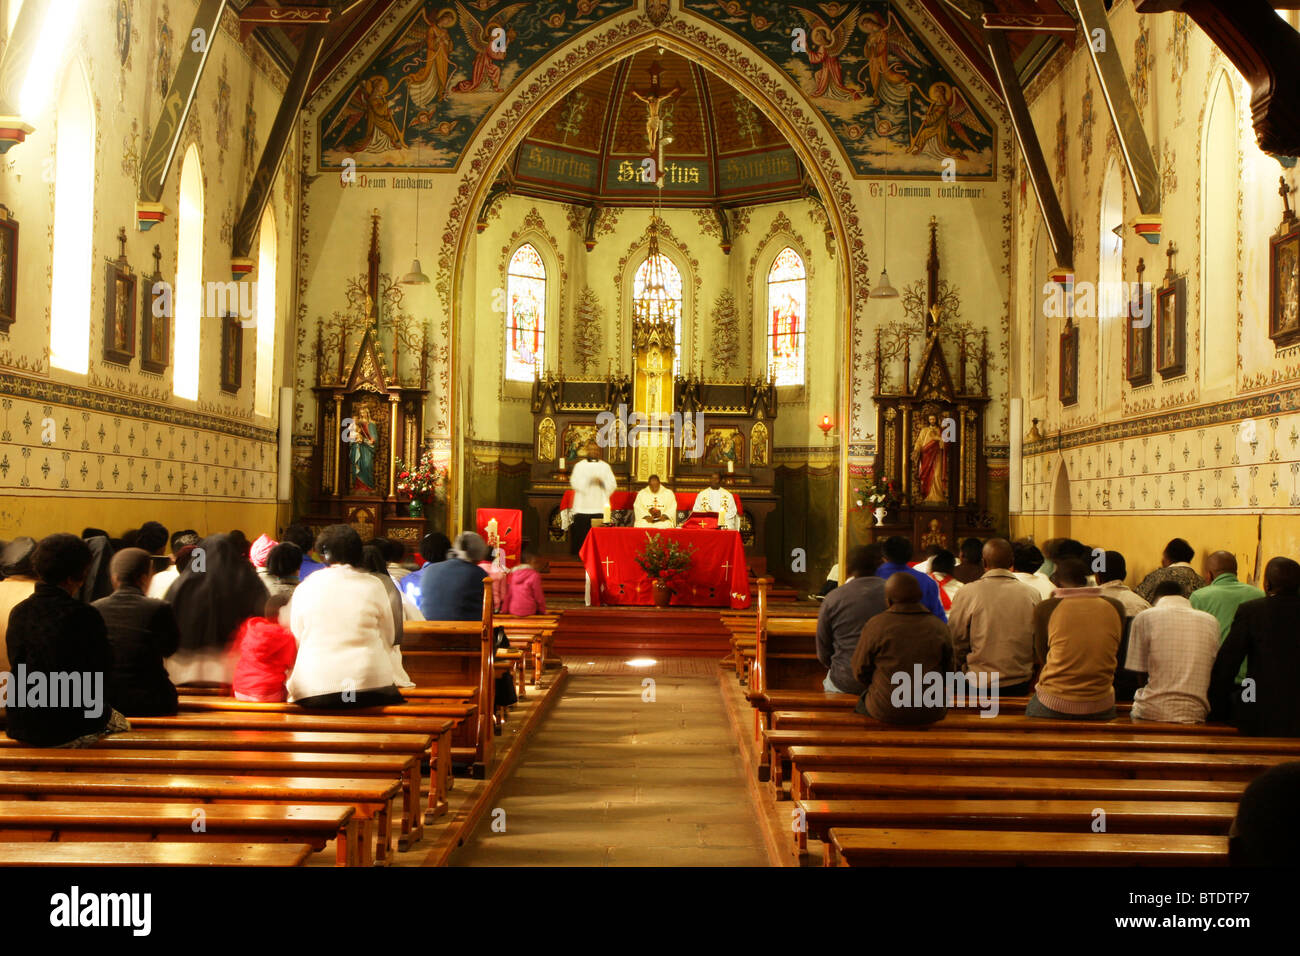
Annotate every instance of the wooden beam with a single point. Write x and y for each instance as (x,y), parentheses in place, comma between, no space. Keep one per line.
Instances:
(263,14)
(277,142)
(1058,232)
(1265,49)
(1123,111)
(1030,22)
(158,156)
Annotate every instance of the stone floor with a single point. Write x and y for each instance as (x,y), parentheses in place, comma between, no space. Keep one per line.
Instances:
(626,773)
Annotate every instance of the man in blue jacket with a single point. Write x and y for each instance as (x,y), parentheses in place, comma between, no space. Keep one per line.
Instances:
(898,551)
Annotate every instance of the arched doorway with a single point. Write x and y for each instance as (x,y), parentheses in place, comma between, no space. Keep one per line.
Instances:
(1058,518)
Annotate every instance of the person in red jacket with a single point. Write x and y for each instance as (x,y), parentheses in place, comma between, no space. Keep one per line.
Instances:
(523,587)
(264,653)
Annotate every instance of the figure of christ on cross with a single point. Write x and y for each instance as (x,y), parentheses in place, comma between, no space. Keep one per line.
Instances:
(654,99)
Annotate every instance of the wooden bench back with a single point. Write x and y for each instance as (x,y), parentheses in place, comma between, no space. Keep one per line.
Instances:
(785,650)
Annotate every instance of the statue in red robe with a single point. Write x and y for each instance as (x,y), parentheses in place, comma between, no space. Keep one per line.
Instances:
(930,462)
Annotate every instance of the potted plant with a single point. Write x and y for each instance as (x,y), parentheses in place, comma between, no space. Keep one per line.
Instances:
(422,482)
(881,496)
(664,561)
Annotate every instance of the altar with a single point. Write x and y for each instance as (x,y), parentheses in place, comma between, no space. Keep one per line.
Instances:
(717,576)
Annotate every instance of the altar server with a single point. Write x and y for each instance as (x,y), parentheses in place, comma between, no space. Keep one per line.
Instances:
(655,506)
(719,499)
(593,482)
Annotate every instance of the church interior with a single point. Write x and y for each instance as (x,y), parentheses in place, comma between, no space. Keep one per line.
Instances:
(616,347)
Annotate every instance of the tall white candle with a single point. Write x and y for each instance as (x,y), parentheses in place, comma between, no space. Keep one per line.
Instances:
(561,464)
(731,467)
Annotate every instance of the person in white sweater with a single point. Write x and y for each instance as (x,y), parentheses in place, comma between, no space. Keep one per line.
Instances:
(342,619)
(593,482)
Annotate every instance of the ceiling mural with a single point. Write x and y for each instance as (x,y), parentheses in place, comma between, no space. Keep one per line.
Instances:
(419,99)
(895,106)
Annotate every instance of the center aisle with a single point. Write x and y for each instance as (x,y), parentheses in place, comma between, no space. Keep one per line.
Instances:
(623,773)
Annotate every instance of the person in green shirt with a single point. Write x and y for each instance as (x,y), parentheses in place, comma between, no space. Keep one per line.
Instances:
(1223,594)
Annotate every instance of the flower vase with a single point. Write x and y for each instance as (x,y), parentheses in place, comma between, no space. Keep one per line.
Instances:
(879,514)
(663,593)
(416,508)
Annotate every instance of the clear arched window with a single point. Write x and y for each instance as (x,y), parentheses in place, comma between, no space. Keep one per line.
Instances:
(525,314)
(1111,296)
(1038,350)
(1219,238)
(74,206)
(264,376)
(657,292)
(187,302)
(787,310)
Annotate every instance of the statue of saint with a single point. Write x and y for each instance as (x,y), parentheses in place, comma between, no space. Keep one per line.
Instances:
(930,462)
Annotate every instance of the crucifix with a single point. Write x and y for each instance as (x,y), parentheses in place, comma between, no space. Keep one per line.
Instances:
(654,98)
(121,242)
(1171,251)
(1284,191)
(157,260)
(1141,291)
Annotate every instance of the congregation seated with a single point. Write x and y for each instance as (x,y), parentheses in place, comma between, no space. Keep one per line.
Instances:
(1223,594)
(53,633)
(903,639)
(972,557)
(372,560)
(1110,574)
(280,573)
(142,633)
(452,590)
(942,565)
(216,593)
(1175,565)
(18,584)
(433,550)
(1263,636)
(301,536)
(394,554)
(1026,563)
(264,652)
(842,616)
(523,595)
(1174,645)
(343,621)
(97,583)
(1077,634)
(898,551)
(164,578)
(992,622)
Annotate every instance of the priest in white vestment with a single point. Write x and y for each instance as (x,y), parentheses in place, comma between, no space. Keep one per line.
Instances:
(715,498)
(593,482)
(655,506)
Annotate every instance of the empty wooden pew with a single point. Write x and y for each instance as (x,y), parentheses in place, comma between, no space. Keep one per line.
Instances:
(894,847)
(153,854)
(1031,762)
(814,818)
(404,768)
(963,720)
(372,799)
(532,635)
(459,652)
(843,785)
(77,821)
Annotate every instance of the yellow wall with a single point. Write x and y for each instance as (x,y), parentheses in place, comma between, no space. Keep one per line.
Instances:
(1141,540)
(38,516)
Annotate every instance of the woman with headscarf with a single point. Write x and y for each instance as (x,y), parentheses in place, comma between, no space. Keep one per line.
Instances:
(18,584)
(372,560)
(212,597)
(344,623)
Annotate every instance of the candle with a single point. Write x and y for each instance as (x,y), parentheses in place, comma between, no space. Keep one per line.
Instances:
(606,513)
(492,531)
(731,467)
(561,464)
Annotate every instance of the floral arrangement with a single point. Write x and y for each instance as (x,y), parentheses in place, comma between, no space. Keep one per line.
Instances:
(879,494)
(664,561)
(424,480)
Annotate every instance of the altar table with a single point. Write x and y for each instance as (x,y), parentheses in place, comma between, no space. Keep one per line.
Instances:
(624,500)
(718,576)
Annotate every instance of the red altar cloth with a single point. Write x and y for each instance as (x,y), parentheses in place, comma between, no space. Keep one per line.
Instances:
(510,530)
(718,576)
(623,500)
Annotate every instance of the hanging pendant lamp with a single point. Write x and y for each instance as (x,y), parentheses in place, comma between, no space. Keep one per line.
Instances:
(416,276)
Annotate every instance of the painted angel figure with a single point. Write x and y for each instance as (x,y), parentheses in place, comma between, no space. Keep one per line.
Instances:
(371,103)
(489,52)
(825,46)
(887,41)
(430,83)
(947,115)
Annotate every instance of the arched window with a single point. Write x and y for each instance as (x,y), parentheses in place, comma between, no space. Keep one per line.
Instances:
(264,375)
(12,15)
(1038,323)
(651,296)
(1219,236)
(526,314)
(74,205)
(1110,299)
(187,302)
(787,309)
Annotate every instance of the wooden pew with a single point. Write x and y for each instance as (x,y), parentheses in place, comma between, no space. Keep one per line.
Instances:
(532,635)
(839,785)
(785,655)
(376,727)
(1031,762)
(963,720)
(883,847)
(816,817)
(78,821)
(404,768)
(778,742)
(459,652)
(372,799)
(153,854)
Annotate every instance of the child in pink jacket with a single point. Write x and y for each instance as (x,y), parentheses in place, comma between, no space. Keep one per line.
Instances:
(265,652)
(523,588)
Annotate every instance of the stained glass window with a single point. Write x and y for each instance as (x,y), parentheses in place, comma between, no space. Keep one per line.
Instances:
(526,314)
(787,304)
(665,301)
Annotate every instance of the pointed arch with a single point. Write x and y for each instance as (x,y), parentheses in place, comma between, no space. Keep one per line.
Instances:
(264,370)
(525,318)
(668,301)
(1219,184)
(187,302)
(1110,278)
(786,320)
(1039,331)
(1058,514)
(74,217)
